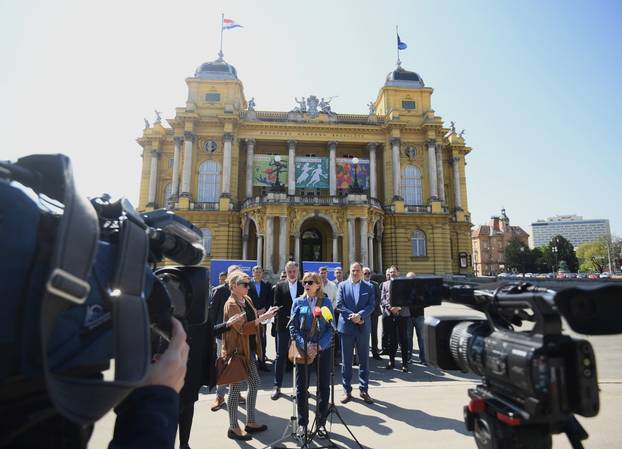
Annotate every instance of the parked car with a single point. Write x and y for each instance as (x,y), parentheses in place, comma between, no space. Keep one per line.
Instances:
(605,275)
(581,275)
(593,276)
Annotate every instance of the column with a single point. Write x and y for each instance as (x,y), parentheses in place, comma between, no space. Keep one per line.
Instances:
(250,154)
(153,178)
(269,243)
(226,165)
(297,247)
(175,181)
(440,174)
(395,153)
(332,168)
(335,248)
(380,267)
(457,193)
(282,242)
(372,169)
(370,249)
(432,169)
(364,251)
(187,173)
(291,168)
(244,246)
(351,238)
(260,250)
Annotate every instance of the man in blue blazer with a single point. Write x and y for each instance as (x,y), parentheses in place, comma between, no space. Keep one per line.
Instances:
(355,302)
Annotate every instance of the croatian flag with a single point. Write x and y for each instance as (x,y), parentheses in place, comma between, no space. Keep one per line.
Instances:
(228,24)
(400,44)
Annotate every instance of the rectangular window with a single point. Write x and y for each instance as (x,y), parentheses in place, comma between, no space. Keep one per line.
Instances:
(409,104)
(212,97)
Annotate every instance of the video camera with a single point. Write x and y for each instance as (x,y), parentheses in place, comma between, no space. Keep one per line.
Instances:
(533,381)
(78,291)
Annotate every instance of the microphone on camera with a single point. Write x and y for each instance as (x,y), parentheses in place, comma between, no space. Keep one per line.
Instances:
(317,312)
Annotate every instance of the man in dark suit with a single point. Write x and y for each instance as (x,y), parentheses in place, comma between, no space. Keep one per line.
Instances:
(356,302)
(396,323)
(284,294)
(261,294)
(374,316)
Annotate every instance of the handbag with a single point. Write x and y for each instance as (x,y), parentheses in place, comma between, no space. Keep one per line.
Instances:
(232,369)
(297,355)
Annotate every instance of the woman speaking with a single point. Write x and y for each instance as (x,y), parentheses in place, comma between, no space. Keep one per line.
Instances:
(307,323)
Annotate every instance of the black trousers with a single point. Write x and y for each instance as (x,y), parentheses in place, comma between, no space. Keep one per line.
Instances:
(398,334)
(321,366)
(374,334)
(186,413)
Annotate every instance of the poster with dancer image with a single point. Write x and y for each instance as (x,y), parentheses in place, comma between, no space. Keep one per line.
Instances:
(345,173)
(266,168)
(312,172)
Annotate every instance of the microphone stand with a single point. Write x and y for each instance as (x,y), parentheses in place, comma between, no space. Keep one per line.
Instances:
(332,408)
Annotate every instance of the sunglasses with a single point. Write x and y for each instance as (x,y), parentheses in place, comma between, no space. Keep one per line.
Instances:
(366,273)
(308,282)
(244,284)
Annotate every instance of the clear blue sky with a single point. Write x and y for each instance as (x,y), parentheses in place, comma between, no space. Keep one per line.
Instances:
(535,84)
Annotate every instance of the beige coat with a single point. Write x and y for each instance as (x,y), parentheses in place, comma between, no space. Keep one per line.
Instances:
(236,340)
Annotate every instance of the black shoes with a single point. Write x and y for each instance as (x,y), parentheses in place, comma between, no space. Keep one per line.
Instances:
(276,393)
(257,429)
(390,365)
(405,368)
(234,436)
(376,356)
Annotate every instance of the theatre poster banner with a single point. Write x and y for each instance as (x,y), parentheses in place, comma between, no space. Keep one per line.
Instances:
(345,173)
(266,169)
(312,172)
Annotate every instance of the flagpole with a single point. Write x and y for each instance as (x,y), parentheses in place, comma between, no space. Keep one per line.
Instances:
(222,23)
(397,33)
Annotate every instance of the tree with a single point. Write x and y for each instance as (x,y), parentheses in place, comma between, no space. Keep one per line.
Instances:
(563,251)
(517,256)
(594,256)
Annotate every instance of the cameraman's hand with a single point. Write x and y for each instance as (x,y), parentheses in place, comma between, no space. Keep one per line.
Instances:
(170,368)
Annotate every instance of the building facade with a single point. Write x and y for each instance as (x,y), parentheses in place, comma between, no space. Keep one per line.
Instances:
(490,241)
(384,188)
(572,227)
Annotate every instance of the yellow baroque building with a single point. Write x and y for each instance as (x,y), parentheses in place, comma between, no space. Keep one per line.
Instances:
(383,188)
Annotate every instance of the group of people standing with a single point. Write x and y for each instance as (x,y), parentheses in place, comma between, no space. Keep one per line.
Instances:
(312,313)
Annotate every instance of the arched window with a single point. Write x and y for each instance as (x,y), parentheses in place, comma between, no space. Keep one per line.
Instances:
(411,186)
(209,182)
(167,194)
(207,241)
(418,244)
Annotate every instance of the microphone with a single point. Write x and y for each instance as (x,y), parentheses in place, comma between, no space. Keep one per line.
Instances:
(305,311)
(328,316)
(317,312)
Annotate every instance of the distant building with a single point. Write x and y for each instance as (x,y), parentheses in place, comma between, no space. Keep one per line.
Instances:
(489,243)
(572,227)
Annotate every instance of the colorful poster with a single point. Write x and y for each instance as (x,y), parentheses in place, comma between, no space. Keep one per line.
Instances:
(312,172)
(345,173)
(267,170)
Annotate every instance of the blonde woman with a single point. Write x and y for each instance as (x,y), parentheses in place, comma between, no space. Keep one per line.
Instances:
(305,324)
(243,339)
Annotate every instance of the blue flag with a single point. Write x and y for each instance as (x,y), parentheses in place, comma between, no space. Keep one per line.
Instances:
(401,45)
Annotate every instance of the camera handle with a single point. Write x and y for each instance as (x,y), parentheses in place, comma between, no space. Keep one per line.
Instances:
(575,432)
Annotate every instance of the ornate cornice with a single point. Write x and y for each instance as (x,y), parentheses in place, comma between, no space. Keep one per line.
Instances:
(227,137)
(188,136)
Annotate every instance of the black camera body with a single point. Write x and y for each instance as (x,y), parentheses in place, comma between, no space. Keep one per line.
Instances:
(535,381)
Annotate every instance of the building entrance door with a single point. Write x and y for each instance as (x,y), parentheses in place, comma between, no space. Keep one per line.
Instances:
(311,243)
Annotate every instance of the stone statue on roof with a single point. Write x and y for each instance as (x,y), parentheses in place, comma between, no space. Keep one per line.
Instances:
(158,116)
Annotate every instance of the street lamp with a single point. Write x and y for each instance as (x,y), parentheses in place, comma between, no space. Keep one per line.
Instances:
(522,259)
(278,167)
(356,188)
(554,249)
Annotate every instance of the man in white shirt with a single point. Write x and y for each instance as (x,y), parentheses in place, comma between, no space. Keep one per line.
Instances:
(328,286)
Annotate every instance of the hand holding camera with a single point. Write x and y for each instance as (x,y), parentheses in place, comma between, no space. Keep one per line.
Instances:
(170,368)
(269,314)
